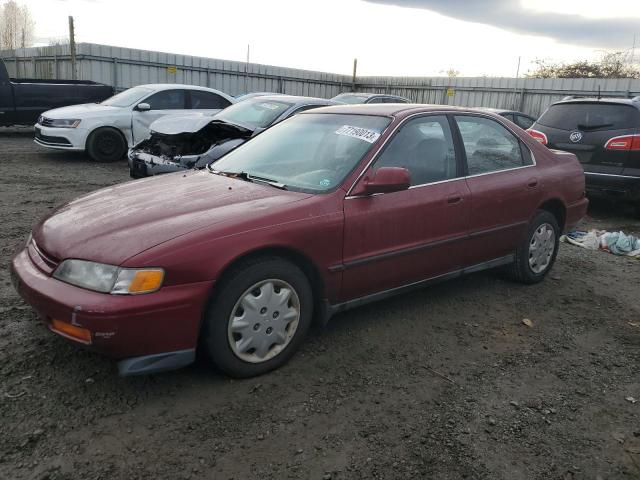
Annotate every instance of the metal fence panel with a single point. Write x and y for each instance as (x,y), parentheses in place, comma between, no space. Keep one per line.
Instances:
(126,67)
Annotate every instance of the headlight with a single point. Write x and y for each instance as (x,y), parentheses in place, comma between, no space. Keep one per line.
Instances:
(108,278)
(58,123)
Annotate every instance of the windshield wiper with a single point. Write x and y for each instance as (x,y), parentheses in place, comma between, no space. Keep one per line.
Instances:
(593,127)
(248,177)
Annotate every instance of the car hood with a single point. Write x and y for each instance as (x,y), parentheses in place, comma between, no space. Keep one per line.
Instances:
(178,124)
(116,223)
(84,110)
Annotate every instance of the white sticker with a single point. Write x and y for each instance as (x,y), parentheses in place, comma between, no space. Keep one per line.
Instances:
(270,106)
(359,133)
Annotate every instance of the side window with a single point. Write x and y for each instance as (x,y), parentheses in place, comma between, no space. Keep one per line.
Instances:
(207,100)
(424,146)
(489,146)
(304,109)
(376,100)
(167,100)
(524,122)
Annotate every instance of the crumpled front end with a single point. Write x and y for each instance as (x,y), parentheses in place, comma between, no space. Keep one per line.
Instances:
(166,153)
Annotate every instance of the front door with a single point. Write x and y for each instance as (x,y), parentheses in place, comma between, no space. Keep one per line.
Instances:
(165,102)
(394,239)
(504,184)
(7,112)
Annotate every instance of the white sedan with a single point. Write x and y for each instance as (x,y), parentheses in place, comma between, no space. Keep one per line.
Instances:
(105,130)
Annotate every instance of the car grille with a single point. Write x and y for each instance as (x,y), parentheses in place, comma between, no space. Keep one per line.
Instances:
(41,259)
(44,121)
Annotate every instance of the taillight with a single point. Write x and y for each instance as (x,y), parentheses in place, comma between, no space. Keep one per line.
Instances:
(539,136)
(624,142)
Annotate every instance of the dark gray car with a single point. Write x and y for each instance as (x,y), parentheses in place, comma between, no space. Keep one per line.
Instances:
(194,141)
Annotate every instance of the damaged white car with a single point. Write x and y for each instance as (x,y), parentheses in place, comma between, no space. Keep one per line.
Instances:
(194,141)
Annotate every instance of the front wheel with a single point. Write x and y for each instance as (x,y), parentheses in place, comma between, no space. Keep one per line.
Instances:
(106,145)
(258,318)
(537,253)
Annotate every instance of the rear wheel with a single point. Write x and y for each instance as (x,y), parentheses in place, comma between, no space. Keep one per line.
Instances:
(537,253)
(106,145)
(258,318)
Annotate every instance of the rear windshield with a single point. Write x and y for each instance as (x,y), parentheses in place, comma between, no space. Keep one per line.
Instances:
(590,116)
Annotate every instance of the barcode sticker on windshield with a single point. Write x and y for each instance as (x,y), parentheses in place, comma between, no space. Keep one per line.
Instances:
(270,106)
(358,132)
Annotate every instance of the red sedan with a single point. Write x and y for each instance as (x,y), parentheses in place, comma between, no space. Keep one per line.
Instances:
(326,211)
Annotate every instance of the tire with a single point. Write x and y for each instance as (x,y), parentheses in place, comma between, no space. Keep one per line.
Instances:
(106,145)
(238,340)
(528,267)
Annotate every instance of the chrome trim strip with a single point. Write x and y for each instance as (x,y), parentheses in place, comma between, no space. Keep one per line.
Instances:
(423,246)
(445,112)
(611,175)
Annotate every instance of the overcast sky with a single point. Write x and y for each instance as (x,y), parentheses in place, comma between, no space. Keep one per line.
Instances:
(389,37)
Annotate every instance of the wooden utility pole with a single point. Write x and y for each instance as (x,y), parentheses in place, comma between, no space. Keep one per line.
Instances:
(72,48)
(353,80)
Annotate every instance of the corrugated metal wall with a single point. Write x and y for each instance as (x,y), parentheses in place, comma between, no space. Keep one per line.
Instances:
(126,67)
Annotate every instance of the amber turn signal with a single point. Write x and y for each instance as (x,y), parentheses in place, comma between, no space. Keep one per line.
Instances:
(145,281)
(71,331)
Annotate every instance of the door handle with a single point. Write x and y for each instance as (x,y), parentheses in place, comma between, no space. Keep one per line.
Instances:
(533,183)
(453,199)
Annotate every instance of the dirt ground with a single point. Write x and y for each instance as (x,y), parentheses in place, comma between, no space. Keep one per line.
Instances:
(445,383)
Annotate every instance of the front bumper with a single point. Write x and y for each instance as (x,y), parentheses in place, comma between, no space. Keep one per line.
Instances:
(122,326)
(145,165)
(60,138)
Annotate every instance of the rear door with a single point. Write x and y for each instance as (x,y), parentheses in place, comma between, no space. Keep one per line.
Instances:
(504,184)
(584,128)
(165,102)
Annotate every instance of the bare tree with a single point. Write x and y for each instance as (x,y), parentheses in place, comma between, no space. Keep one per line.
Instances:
(611,65)
(16,26)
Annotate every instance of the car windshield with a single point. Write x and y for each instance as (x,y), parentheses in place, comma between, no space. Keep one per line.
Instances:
(309,152)
(128,97)
(589,116)
(349,98)
(256,112)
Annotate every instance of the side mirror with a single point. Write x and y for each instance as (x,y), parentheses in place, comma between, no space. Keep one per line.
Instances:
(384,180)
(143,107)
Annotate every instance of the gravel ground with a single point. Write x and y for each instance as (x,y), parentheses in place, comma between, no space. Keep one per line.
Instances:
(445,383)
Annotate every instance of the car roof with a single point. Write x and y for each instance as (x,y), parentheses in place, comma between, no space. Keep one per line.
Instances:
(393,109)
(367,95)
(172,86)
(501,111)
(296,100)
(619,101)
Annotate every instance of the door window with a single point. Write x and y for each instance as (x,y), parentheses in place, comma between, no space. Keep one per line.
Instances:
(489,146)
(202,100)
(167,100)
(424,146)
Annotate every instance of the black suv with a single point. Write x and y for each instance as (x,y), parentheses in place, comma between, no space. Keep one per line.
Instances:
(605,136)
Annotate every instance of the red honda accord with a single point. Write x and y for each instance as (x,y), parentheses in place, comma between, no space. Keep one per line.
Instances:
(328,210)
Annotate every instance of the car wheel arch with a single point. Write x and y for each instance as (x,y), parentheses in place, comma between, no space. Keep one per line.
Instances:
(557,208)
(296,257)
(102,127)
